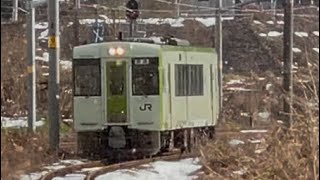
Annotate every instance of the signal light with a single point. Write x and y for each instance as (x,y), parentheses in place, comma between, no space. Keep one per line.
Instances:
(116,51)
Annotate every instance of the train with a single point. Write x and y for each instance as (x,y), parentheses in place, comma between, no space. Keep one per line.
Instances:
(144,96)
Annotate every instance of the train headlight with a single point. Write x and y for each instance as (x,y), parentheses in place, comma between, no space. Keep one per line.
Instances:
(120,51)
(112,51)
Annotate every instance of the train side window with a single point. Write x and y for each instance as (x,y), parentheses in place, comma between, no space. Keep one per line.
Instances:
(189,80)
(195,80)
(87,77)
(180,80)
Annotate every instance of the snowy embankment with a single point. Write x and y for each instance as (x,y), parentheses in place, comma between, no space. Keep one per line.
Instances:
(18,122)
(176,170)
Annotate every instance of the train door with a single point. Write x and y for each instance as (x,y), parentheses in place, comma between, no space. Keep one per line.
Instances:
(178,91)
(116,92)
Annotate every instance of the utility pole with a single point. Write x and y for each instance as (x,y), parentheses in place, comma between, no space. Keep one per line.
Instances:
(76,22)
(288,59)
(54,53)
(114,23)
(218,47)
(131,28)
(31,67)
(15,10)
(177,2)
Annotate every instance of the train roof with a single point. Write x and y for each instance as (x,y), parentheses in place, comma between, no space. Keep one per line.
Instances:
(142,46)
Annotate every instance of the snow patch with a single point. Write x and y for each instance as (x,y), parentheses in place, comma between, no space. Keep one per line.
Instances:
(90,169)
(44,34)
(270,22)
(316,49)
(274,34)
(178,170)
(280,22)
(33,176)
(264,115)
(296,50)
(41,25)
(66,64)
(235,142)
(254,131)
(240,172)
(280,122)
(263,34)
(54,167)
(254,141)
(18,122)
(316,33)
(239,89)
(271,34)
(257,22)
(71,177)
(301,34)
(235,81)
(71,161)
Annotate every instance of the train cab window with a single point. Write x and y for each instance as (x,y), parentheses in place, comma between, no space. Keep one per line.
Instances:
(87,77)
(145,76)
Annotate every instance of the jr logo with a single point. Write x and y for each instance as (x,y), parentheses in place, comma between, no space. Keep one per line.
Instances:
(145,107)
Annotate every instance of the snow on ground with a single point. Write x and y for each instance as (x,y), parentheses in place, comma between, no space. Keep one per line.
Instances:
(173,170)
(274,34)
(44,34)
(316,33)
(296,50)
(270,22)
(280,22)
(159,170)
(71,177)
(254,131)
(18,122)
(316,49)
(301,34)
(257,22)
(54,166)
(66,64)
(263,34)
(271,34)
(41,25)
(235,142)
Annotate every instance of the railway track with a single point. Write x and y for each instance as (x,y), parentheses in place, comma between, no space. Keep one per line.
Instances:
(101,168)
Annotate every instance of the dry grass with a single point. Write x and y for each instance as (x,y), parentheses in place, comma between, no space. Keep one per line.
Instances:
(286,153)
(22,152)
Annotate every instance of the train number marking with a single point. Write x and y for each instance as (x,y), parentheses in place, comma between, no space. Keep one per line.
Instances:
(146,107)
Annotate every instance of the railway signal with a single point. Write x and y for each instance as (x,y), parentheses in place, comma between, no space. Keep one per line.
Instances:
(132,11)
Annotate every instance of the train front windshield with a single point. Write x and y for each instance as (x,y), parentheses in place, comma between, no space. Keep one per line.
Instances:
(145,76)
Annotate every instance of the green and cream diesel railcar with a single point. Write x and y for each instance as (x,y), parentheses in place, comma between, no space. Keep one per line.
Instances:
(143,96)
